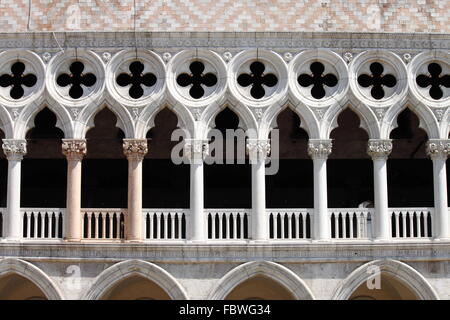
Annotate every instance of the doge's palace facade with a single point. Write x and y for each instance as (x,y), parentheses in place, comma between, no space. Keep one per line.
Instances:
(316,58)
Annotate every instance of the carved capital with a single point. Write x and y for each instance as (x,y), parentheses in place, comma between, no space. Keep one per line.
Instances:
(379,149)
(135,149)
(14,149)
(74,149)
(258,148)
(319,149)
(195,149)
(438,149)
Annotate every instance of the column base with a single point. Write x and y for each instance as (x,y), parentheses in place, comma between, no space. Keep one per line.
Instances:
(134,240)
(259,241)
(378,240)
(197,241)
(325,240)
(12,239)
(442,239)
(72,239)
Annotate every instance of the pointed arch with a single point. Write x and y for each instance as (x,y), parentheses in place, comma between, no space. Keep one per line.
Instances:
(32,273)
(86,118)
(242,111)
(125,269)
(308,120)
(274,271)
(428,121)
(399,270)
(368,120)
(147,117)
(25,121)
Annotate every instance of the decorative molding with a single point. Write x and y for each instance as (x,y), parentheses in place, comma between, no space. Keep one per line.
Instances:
(159,40)
(379,149)
(135,149)
(74,149)
(14,149)
(438,149)
(319,149)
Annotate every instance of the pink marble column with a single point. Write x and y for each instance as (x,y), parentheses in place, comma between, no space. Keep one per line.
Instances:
(134,150)
(74,150)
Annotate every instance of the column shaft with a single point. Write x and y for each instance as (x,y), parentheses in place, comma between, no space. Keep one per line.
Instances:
(379,150)
(14,151)
(438,150)
(258,151)
(195,151)
(134,150)
(74,150)
(319,151)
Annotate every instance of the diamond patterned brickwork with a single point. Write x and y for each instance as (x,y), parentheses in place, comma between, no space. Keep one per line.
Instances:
(226,15)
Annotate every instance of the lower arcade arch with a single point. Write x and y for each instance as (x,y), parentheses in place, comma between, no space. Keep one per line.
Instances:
(21,280)
(261,280)
(135,287)
(385,280)
(135,280)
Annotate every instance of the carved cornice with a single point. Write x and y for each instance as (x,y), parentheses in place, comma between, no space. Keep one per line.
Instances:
(14,149)
(379,149)
(258,148)
(438,149)
(319,149)
(135,149)
(195,149)
(74,149)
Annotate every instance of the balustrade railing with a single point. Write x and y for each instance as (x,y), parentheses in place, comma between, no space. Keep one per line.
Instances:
(165,224)
(42,223)
(290,223)
(103,223)
(412,222)
(351,223)
(231,224)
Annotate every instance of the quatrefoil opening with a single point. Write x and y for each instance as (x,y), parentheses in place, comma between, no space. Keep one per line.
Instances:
(17,79)
(197,79)
(434,80)
(377,80)
(257,79)
(317,79)
(136,78)
(76,80)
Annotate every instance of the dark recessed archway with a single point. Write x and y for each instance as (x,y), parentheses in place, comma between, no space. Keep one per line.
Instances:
(410,171)
(105,168)
(292,185)
(44,169)
(349,168)
(165,184)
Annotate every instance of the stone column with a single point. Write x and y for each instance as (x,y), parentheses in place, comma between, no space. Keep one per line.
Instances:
(319,150)
(258,150)
(74,150)
(379,151)
(195,151)
(134,150)
(438,150)
(14,151)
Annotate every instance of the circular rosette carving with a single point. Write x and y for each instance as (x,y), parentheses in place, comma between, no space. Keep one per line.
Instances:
(135,78)
(318,77)
(75,77)
(21,77)
(378,78)
(196,77)
(258,77)
(429,78)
